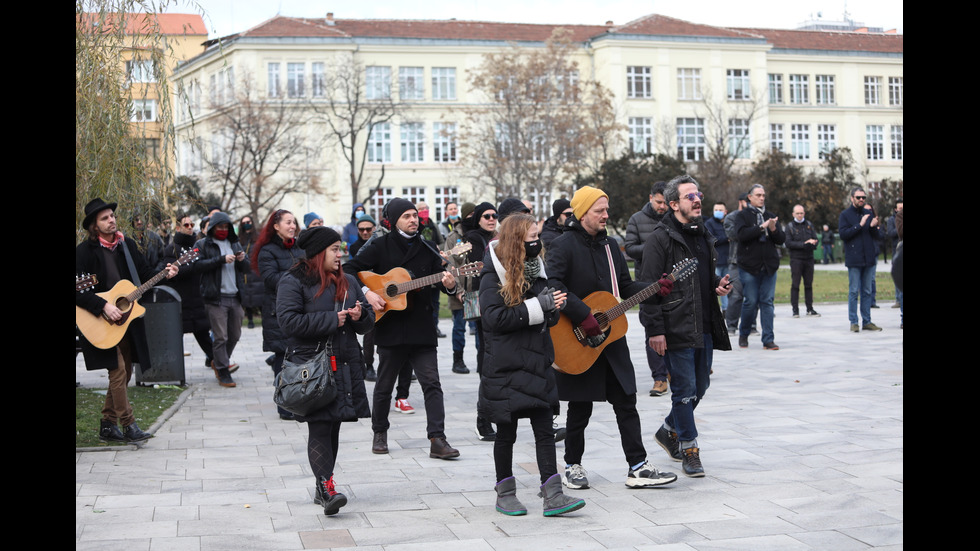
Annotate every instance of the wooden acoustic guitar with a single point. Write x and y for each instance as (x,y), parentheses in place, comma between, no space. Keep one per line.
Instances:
(393,285)
(85,282)
(104,333)
(575,352)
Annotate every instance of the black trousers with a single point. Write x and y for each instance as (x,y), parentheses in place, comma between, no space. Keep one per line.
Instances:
(391,361)
(801,269)
(627,418)
(544,444)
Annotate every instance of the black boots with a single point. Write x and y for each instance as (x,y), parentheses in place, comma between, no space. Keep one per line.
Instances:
(485,430)
(328,496)
(458,365)
(109,432)
(133,433)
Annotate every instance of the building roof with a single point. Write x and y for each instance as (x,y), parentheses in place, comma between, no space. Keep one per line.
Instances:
(141,23)
(832,40)
(661,25)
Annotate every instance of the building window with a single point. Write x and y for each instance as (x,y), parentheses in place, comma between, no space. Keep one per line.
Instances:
(799,89)
(776,137)
(896,91)
(641,134)
(875,140)
(826,140)
(273,85)
(690,139)
(638,83)
(738,84)
(411,83)
(140,70)
(443,196)
(872,90)
(689,84)
(739,145)
(377,202)
(378,82)
(379,143)
(413,142)
(897,142)
(799,140)
(415,194)
(444,83)
(143,110)
(444,142)
(318,80)
(539,143)
(229,87)
(775,88)
(567,85)
(823,89)
(152,148)
(295,80)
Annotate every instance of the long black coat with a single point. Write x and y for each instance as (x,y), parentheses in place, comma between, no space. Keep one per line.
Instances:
(577,263)
(274,260)
(250,284)
(307,321)
(187,283)
(517,373)
(88,259)
(413,325)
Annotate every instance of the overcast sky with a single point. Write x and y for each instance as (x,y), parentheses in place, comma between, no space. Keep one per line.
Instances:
(225,17)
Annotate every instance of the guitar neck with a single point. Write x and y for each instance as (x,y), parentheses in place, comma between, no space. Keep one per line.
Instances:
(644,294)
(423,281)
(138,292)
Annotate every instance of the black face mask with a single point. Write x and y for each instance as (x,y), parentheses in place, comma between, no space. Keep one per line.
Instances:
(532,248)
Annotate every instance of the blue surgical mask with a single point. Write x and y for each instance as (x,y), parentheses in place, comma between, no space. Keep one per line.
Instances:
(360,214)
(720,215)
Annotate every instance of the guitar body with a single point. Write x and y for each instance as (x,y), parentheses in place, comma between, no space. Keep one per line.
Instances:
(101,332)
(574,357)
(383,285)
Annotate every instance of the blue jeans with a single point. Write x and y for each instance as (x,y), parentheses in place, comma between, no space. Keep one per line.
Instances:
(459,331)
(859,280)
(758,291)
(690,376)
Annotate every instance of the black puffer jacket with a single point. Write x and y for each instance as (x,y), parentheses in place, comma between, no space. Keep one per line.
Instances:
(274,260)
(212,261)
(577,263)
(309,321)
(517,373)
(550,231)
(680,315)
(638,230)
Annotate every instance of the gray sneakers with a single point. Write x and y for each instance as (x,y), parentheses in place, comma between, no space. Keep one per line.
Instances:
(646,475)
(574,477)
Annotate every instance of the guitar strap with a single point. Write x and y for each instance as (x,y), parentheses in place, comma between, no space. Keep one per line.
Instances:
(612,274)
(129,264)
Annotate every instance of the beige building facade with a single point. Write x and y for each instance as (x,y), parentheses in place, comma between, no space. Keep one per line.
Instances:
(678,87)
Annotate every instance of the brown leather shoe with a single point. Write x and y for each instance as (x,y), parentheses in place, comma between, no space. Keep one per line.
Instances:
(441,449)
(380,445)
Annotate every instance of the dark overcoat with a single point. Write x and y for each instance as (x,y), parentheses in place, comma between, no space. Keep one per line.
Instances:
(274,260)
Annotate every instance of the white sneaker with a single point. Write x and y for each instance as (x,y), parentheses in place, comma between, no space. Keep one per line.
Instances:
(574,477)
(403,406)
(647,475)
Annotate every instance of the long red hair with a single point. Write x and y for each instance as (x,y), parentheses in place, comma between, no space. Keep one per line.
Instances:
(314,267)
(266,235)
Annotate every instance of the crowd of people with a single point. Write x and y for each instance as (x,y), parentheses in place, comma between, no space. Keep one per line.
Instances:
(514,277)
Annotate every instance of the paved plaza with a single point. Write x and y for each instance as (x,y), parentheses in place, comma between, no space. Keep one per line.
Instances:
(802,448)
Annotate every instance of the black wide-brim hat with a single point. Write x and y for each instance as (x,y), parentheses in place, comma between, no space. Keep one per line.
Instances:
(93,208)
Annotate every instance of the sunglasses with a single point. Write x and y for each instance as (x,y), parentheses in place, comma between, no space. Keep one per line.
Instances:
(568,213)
(366,229)
(692,196)
(188,225)
(490,216)
(860,197)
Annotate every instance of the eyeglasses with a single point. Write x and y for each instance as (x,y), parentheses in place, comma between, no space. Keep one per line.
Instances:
(490,216)
(188,225)
(860,197)
(692,196)
(568,213)
(366,229)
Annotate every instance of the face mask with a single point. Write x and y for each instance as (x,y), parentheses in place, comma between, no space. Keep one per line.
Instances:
(454,217)
(221,234)
(424,215)
(360,214)
(247,226)
(532,248)
(719,215)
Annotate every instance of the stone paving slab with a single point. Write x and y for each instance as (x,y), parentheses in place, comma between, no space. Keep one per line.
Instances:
(803,449)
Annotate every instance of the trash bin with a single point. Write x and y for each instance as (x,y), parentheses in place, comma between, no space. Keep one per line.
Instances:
(164,338)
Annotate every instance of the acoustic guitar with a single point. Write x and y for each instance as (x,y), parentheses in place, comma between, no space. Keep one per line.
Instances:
(575,352)
(393,285)
(105,333)
(85,282)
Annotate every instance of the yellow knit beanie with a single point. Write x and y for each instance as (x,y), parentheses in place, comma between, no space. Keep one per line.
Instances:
(583,199)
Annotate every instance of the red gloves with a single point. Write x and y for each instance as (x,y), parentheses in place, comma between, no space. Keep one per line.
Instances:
(590,326)
(666,286)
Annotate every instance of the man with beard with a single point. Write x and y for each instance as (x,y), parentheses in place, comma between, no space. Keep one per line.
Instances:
(858,227)
(801,240)
(638,230)
(687,325)
(111,257)
(758,233)
(406,336)
(584,259)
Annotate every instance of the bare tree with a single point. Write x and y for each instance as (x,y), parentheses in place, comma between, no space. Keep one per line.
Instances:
(350,111)
(261,151)
(540,124)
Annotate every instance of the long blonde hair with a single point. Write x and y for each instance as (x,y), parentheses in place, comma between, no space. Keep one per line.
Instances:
(510,251)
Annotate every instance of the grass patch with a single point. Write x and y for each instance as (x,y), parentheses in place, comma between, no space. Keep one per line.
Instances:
(148,404)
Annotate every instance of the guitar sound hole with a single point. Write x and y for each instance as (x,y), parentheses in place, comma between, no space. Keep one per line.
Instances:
(391,290)
(123,304)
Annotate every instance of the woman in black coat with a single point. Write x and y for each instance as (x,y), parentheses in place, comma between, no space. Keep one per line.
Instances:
(274,252)
(518,381)
(318,305)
